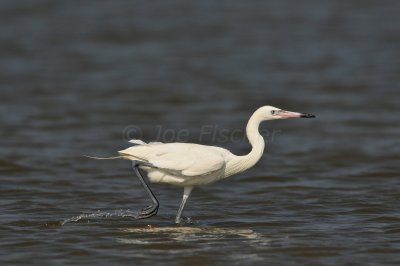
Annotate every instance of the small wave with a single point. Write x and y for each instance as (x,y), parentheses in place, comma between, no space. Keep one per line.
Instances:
(101,214)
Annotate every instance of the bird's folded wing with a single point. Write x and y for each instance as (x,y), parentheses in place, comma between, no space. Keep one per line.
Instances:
(188,159)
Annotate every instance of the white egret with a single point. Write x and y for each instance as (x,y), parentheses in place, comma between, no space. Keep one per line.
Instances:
(188,165)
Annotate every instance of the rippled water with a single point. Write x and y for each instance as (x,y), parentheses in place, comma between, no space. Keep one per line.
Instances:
(82,78)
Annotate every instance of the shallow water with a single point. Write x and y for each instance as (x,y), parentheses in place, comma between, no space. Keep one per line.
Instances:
(83,79)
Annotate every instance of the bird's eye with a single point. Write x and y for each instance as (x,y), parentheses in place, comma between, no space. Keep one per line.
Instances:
(273,112)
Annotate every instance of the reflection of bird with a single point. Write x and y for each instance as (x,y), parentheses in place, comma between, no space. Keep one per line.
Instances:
(188,165)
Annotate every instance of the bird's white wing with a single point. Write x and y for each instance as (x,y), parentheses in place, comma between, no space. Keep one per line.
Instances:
(188,159)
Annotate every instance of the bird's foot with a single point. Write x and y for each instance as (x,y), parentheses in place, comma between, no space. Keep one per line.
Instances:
(183,220)
(148,208)
(148,211)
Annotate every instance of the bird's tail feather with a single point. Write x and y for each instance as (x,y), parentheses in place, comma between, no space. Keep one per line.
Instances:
(104,158)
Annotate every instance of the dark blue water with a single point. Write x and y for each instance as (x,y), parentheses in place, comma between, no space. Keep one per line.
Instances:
(81,78)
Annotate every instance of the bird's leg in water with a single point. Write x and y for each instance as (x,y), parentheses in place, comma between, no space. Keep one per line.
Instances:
(152,209)
(186,193)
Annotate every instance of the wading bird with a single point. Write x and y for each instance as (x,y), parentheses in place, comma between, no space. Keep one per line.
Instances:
(188,165)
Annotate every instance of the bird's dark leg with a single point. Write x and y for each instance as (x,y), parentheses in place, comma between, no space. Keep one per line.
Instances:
(152,209)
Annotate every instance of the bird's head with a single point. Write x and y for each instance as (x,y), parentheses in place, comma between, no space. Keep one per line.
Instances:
(272,113)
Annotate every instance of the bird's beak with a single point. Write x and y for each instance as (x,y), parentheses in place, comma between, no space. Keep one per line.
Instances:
(306,115)
(288,114)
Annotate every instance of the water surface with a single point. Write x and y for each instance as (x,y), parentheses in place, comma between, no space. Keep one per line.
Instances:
(83,78)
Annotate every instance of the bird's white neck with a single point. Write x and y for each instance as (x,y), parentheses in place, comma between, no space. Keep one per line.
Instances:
(242,163)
